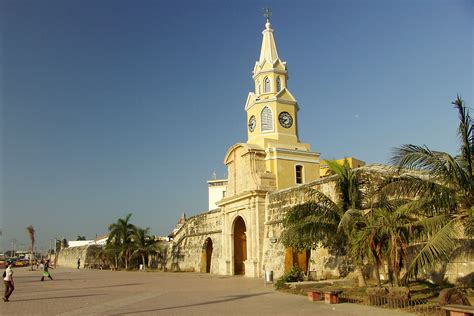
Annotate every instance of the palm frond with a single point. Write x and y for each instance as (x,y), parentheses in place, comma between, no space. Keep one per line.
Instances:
(31,233)
(465,133)
(349,220)
(348,184)
(436,249)
(430,196)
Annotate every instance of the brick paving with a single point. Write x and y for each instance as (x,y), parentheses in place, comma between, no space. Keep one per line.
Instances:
(94,292)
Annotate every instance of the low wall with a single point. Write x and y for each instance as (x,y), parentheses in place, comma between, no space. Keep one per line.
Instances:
(67,257)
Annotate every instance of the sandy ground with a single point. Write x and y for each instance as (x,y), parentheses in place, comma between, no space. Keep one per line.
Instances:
(94,292)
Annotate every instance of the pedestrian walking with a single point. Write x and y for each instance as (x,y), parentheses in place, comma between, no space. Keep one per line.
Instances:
(78,263)
(46,270)
(8,281)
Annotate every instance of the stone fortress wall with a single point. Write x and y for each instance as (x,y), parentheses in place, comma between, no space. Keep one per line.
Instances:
(67,257)
(186,253)
(278,204)
(190,239)
(190,243)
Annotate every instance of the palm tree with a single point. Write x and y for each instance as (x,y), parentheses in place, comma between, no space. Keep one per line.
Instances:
(120,235)
(318,219)
(143,243)
(365,243)
(112,252)
(394,235)
(31,233)
(442,187)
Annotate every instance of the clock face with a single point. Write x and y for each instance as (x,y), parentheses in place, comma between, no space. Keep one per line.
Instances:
(285,119)
(252,123)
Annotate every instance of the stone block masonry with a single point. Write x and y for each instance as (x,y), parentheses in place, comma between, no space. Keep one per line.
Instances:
(197,245)
(67,257)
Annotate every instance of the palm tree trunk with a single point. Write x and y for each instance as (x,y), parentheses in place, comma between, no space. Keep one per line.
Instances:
(360,277)
(143,261)
(31,257)
(396,273)
(396,267)
(377,274)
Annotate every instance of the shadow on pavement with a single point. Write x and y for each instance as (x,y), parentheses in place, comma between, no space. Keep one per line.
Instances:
(54,298)
(230,298)
(86,288)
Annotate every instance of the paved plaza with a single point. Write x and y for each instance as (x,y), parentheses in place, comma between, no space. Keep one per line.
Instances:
(94,292)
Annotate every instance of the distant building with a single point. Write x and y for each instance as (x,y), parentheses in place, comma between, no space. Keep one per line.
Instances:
(324,170)
(99,240)
(217,190)
(79,243)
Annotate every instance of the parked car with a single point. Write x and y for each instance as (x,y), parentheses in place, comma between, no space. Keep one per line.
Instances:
(21,263)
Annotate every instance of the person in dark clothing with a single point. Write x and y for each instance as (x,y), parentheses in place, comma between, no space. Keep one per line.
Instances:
(8,281)
(46,271)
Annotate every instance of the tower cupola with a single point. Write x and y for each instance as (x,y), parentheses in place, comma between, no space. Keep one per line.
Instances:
(271,108)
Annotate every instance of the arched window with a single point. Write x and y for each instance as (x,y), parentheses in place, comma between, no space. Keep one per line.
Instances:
(299,174)
(267,119)
(267,86)
(278,84)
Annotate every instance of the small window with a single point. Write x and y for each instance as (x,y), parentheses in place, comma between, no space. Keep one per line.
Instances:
(267,85)
(299,174)
(278,84)
(267,119)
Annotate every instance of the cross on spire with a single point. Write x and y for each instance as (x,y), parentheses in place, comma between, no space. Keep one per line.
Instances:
(267,13)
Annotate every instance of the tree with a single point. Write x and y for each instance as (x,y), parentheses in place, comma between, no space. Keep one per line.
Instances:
(143,243)
(442,189)
(120,236)
(112,251)
(31,233)
(79,237)
(317,220)
(365,243)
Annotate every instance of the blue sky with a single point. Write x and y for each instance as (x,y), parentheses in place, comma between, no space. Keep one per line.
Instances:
(110,107)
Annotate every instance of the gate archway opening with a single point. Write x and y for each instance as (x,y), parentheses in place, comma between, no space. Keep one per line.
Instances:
(206,256)
(240,246)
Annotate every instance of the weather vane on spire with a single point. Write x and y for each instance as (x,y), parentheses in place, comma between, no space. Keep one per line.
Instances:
(267,13)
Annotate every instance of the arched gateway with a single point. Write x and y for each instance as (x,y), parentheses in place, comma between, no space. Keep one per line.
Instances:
(240,246)
(206,256)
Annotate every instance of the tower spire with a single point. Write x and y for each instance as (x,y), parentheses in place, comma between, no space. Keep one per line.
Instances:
(268,52)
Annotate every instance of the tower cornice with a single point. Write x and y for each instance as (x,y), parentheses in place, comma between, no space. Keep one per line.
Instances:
(272,70)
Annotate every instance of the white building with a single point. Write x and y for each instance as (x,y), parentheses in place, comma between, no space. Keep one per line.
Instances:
(217,188)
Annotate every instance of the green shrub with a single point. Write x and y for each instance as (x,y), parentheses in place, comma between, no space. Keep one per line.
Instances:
(295,274)
(399,292)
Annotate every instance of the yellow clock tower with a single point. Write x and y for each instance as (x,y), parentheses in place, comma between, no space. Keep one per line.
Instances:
(273,122)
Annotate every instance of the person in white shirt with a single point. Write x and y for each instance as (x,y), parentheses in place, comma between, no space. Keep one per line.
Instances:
(8,281)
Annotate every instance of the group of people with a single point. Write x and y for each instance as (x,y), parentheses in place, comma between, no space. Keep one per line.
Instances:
(9,282)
